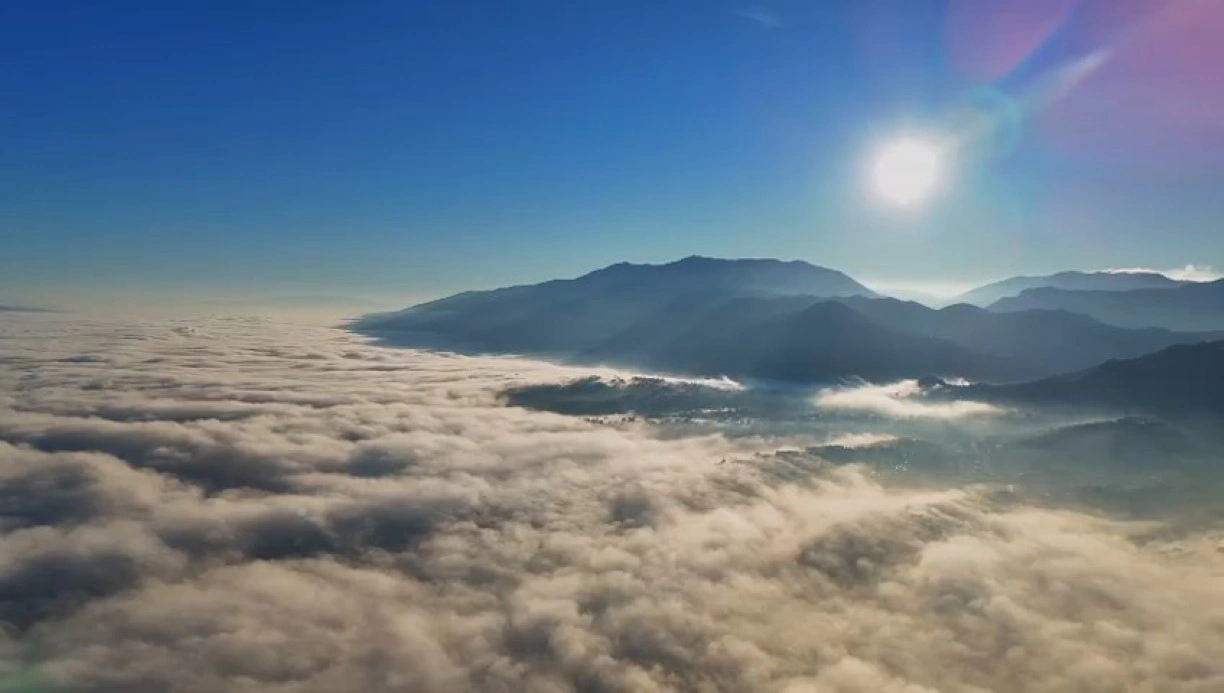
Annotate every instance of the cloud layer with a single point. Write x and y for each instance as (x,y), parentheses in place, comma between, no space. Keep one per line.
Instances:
(254,506)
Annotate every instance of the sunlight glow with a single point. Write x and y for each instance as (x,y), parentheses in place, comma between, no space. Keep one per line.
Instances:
(907,171)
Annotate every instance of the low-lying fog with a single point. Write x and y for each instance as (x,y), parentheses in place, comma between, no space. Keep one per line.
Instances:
(251,505)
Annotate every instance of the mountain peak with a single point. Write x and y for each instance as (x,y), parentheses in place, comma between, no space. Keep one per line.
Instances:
(750,276)
(698,260)
(567,314)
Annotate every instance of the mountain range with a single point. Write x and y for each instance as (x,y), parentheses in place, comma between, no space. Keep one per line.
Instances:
(1190,306)
(1186,378)
(564,316)
(761,319)
(1068,281)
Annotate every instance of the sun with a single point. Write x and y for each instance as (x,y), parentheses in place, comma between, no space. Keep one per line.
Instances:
(906,171)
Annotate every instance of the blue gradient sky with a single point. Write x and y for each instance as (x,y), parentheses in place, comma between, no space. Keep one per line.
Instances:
(213,150)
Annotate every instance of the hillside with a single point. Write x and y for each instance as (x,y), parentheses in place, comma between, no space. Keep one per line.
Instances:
(1071,281)
(1042,341)
(796,341)
(760,319)
(572,315)
(1192,306)
(1185,378)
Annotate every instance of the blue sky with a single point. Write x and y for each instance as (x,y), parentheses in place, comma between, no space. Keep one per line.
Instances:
(213,150)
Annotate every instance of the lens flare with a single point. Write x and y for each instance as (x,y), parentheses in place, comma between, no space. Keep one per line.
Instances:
(907,171)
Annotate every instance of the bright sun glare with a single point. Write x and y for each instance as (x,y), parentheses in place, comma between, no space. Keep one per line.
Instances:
(907,171)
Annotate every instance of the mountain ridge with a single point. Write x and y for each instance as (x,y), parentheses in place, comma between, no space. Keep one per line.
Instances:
(1072,280)
(1191,306)
(1183,378)
(759,319)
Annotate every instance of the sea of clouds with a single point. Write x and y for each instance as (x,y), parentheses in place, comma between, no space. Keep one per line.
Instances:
(251,505)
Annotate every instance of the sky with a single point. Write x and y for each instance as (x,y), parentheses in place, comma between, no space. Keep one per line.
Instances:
(387,152)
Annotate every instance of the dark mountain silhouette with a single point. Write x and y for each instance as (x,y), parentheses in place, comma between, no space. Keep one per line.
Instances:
(760,319)
(1072,281)
(1192,306)
(796,339)
(22,309)
(1041,341)
(571,315)
(1186,378)
(802,338)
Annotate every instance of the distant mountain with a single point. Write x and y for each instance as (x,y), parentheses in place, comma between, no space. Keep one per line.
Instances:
(1036,341)
(572,315)
(760,319)
(795,339)
(1186,378)
(806,339)
(22,309)
(1072,281)
(1191,306)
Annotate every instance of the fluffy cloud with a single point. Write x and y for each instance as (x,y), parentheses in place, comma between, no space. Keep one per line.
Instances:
(1189,273)
(254,506)
(1195,273)
(900,400)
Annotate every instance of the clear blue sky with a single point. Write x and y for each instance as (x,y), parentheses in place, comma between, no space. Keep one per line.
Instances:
(418,148)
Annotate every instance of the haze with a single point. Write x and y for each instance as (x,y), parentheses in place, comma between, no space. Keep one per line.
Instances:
(611,347)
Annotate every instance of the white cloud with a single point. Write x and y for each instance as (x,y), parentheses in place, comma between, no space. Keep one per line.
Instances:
(251,506)
(1189,272)
(899,400)
(1195,273)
